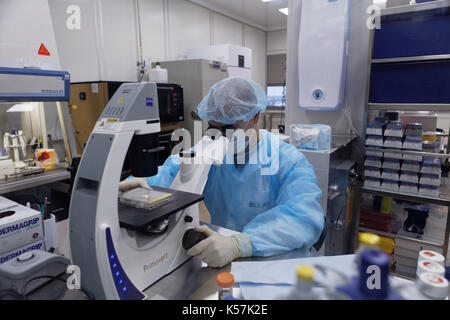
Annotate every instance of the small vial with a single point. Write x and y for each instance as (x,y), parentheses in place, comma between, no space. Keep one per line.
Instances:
(303,289)
(225,282)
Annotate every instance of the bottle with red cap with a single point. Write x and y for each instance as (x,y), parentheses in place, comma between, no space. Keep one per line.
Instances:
(428,286)
(225,282)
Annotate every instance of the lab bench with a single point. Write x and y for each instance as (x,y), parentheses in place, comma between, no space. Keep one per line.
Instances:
(32,181)
(191,281)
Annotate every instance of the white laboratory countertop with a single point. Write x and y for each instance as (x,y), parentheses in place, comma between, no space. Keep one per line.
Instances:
(193,280)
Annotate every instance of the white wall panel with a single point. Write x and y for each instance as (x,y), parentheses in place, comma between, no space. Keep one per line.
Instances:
(106,47)
(189,27)
(152,29)
(226,30)
(120,47)
(256,40)
(277,41)
(78,47)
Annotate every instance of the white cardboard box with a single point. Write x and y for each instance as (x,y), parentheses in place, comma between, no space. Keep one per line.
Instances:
(38,245)
(19,226)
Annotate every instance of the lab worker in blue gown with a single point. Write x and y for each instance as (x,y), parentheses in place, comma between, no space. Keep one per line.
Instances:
(268,192)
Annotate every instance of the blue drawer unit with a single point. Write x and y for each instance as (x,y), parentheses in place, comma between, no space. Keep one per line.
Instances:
(411,82)
(413,34)
(413,53)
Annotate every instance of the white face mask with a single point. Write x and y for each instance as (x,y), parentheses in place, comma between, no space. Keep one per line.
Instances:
(244,141)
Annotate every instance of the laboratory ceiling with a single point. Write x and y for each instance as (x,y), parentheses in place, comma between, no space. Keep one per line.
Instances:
(263,15)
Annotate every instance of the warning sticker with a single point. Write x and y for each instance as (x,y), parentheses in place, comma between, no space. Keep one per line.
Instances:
(107,124)
(43,50)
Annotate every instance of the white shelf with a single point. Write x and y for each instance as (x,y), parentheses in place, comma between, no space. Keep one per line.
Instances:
(32,181)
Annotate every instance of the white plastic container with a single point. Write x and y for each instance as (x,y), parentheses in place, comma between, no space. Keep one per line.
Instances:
(428,286)
(433,286)
(430,267)
(50,236)
(428,255)
(158,75)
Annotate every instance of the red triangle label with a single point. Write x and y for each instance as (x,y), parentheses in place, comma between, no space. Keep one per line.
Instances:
(43,51)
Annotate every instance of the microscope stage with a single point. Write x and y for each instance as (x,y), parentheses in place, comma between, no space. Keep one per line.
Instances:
(138,219)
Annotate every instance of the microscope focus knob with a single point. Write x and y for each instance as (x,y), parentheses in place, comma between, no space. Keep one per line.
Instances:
(191,238)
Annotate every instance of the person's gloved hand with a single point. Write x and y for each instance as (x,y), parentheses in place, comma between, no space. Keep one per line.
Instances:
(133,183)
(217,250)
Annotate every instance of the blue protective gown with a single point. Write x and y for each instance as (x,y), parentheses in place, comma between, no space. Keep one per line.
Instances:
(279,212)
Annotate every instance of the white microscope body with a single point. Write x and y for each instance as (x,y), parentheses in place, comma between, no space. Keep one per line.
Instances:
(115,262)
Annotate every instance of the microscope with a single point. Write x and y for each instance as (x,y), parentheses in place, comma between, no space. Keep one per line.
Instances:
(122,250)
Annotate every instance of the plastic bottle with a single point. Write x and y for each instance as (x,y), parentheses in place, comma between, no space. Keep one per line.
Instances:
(366,241)
(303,289)
(376,263)
(225,282)
(428,286)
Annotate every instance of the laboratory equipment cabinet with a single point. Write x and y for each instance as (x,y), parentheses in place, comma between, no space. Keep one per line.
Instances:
(410,71)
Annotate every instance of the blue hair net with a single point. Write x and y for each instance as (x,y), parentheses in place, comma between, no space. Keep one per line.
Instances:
(232,100)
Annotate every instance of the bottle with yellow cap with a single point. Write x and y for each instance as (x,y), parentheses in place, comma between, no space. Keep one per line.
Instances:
(366,241)
(303,289)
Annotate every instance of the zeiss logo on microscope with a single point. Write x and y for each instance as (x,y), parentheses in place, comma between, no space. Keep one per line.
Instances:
(19,226)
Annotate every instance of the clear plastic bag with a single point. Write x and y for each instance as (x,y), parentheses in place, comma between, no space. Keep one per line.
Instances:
(311,137)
